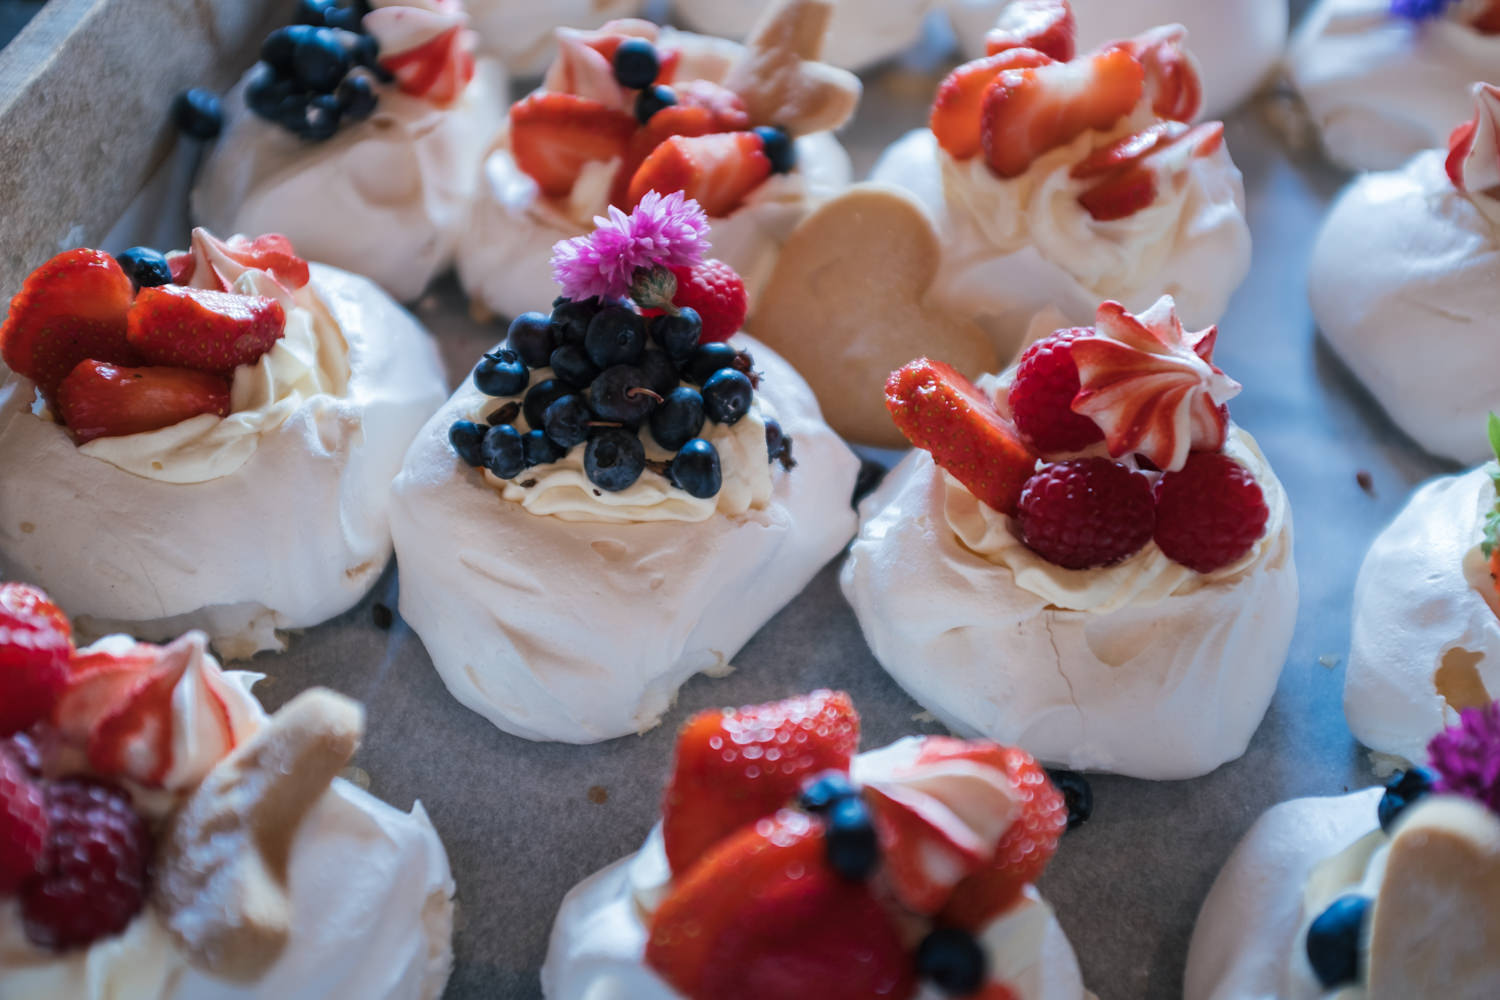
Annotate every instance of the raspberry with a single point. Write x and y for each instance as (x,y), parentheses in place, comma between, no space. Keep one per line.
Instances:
(1209,513)
(1042,396)
(716,291)
(23,826)
(35,643)
(1086,512)
(93,881)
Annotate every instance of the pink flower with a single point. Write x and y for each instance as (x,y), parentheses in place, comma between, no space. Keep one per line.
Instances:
(1466,757)
(670,231)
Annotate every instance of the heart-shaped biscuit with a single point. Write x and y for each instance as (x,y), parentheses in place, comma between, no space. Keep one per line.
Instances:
(1436,925)
(847,304)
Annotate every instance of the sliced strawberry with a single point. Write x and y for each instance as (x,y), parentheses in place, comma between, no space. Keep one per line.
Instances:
(102,400)
(1027,846)
(1127,151)
(1031,111)
(943,413)
(183,265)
(923,852)
(1173,81)
(71,308)
(679,119)
(764,915)
(1128,166)
(1045,25)
(439,69)
(271,252)
(35,643)
(98,681)
(1120,196)
(736,766)
(727,107)
(718,170)
(554,136)
(958,110)
(204,330)
(20,599)
(1460,145)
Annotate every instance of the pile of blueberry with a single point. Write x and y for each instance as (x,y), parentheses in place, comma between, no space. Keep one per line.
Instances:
(614,373)
(318,73)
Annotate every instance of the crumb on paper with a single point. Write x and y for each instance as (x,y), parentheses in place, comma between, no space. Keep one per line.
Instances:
(924,716)
(382,616)
(598,794)
(1329,660)
(1366,481)
(358,777)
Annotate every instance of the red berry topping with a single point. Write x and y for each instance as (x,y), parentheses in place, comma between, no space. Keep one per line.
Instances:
(554,136)
(23,826)
(1027,846)
(719,171)
(1209,513)
(958,111)
(1045,25)
(201,329)
(717,292)
(763,915)
(100,400)
(35,643)
(1042,396)
(1086,512)
(736,766)
(94,877)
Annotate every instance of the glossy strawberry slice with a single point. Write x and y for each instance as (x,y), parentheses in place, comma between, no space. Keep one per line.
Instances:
(736,766)
(702,108)
(35,643)
(439,69)
(1128,151)
(1120,196)
(271,253)
(554,136)
(101,400)
(1173,81)
(763,915)
(1126,169)
(718,170)
(943,413)
(1029,112)
(958,110)
(916,845)
(1045,25)
(203,330)
(71,308)
(98,681)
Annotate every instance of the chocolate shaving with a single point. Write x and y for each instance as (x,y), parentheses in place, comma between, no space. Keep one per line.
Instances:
(526,484)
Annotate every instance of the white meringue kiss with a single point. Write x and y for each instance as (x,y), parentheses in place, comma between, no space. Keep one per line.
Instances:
(1420,595)
(292,537)
(1405,285)
(583,631)
(1382,88)
(1165,675)
(1014,247)
(386,197)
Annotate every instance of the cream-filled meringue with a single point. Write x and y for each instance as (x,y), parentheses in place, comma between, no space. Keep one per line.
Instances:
(360,903)
(1425,642)
(387,195)
(1403,284)
(1381,87)
(272,517)
(1144,659)
(537,188)
(520,33)
(940,808)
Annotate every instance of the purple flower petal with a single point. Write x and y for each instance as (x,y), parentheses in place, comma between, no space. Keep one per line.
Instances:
(662,231)
(1466,757)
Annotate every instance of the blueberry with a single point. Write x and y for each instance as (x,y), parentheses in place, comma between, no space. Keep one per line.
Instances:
(349,17)
(853,850)
(145,267)
(198,114)
(727,396)
(566,421)
(828,788)
(651,100)
(706,360)
(281,45)
(678,335)
(323,117)
(571,363)
(661,374)
(264,90)
(465,436)
(541,396)
(539,448)
(1333,941)
(1077,793)
(357,98)
(614,459)
(291,112)
(570,320)
(363,50)
(953,960)
(501,373)
(622,393)
(314,12)
(777,443)
(778,148)
(616,336)
(679,418)
(531,335)
(502,451)
(695,470)
(636,64)
(1403,789)
(319,62)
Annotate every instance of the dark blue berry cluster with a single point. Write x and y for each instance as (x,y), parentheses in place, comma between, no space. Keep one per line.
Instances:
(318,73)
(614,373)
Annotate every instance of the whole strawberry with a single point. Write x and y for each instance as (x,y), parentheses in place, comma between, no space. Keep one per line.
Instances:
(1042,395)
(94,877)
(1086,512)
(1210,513)
(35,643)
(717,292)
(23,826)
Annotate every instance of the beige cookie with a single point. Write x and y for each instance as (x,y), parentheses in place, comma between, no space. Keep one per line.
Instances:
(847,305)
(780,78)
(1436,925)
(221,872)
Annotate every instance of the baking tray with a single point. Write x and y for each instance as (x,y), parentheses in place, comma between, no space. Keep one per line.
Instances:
(523,822)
